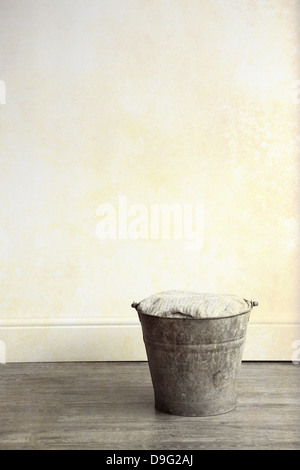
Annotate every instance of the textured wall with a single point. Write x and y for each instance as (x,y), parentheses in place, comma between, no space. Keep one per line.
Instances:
(161,102)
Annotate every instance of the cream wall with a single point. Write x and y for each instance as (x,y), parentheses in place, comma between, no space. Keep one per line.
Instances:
(162,102)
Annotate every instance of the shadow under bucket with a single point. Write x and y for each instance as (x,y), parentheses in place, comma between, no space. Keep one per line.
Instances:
(194,363)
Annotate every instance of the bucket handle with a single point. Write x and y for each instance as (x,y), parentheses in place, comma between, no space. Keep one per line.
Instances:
(252,303)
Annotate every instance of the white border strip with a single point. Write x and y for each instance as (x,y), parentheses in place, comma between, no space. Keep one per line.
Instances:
(66,322)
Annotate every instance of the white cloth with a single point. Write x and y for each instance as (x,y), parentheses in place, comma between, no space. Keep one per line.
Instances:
(181,304)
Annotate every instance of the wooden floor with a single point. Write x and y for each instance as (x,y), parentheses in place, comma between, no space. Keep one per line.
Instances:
(110,406)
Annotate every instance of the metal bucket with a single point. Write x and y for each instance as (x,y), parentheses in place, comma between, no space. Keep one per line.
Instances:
(194,362)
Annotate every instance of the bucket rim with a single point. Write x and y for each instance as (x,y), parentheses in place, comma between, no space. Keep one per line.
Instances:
(185,318)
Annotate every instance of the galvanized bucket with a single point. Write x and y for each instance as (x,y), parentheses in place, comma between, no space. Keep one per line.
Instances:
(194,363)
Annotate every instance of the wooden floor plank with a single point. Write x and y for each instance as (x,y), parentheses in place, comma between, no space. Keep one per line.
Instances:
(110,406)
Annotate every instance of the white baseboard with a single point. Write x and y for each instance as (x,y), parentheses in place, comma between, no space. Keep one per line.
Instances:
(89,339)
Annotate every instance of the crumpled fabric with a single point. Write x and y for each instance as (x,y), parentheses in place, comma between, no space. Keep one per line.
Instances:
(185,304)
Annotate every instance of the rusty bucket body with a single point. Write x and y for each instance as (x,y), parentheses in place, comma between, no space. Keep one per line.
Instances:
(194,363)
